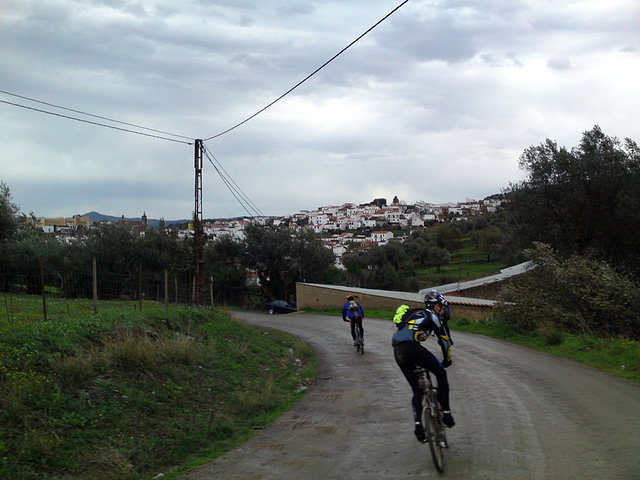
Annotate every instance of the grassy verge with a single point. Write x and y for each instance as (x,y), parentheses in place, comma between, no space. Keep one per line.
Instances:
(128,395)
(614,355)
(21,307)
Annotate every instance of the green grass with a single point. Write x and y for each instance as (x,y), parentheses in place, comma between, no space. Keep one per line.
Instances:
(459,271)
(614,355)
(127,394)
(466,263)
(21,307)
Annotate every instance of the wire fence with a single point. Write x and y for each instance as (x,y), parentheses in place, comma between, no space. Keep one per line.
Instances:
(64,293)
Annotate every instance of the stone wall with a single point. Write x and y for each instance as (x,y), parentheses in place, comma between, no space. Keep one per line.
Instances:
(327,296)
(332,296)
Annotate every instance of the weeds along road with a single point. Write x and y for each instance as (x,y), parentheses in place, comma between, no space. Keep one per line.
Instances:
(520,414)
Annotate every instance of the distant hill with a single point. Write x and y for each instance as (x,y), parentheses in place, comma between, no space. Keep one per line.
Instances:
(151,222)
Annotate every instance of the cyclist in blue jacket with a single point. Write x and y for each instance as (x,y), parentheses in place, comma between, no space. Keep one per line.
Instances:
(353,313)
(413,327)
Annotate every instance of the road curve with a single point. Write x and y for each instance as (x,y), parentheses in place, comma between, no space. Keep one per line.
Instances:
(520,414)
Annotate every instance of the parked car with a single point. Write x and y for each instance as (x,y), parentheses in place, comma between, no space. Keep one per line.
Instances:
(280,306)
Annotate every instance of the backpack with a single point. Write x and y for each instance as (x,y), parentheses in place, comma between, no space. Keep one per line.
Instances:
(355,308)
(403,315)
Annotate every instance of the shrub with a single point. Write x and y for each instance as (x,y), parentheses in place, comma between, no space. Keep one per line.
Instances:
(581,295)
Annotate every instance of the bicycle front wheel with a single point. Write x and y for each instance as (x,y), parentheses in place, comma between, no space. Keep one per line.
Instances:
(431,430)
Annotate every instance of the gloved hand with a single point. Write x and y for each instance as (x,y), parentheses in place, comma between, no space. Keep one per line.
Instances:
(446,363)
(345,320)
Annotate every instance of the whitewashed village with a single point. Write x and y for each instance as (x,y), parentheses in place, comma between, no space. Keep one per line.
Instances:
(343,229)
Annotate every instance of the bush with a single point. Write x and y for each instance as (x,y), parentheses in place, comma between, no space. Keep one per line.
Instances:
(550,333)
(581,295)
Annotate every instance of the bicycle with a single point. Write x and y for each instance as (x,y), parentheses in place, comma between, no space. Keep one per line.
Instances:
(359,343)
(432,418)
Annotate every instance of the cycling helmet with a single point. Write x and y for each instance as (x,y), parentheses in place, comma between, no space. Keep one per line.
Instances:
(434,297)
(349,298)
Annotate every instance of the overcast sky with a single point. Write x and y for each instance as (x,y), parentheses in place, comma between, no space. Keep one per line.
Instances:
(435,104)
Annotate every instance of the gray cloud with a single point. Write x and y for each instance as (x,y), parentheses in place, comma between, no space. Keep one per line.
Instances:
(559,64)
(452,91)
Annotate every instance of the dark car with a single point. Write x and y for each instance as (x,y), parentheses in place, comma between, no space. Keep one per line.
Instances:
(280,306)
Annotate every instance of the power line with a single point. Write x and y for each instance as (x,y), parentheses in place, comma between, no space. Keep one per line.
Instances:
(307,77)
(255,207)
(226,182)
(191,140)
(92,115)
(244,201)
(95,123)
(233,186)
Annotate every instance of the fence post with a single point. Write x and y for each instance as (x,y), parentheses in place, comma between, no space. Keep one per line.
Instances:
(140,287)
(6,306)
(211,290)
(44,297)
(166,291)
(95,286)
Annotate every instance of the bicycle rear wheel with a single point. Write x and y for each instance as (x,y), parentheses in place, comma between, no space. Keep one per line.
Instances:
(360,339)
(435,447)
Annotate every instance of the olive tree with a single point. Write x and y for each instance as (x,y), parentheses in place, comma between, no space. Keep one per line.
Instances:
(8,213)
(580,200)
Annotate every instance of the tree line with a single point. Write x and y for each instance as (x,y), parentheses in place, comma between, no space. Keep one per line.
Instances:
(277,257)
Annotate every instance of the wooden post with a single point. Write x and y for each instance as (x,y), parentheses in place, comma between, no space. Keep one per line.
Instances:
(44,297)
(197,221)
(6,306)
(166,291)
(211,290)
(95,286)
(140,287)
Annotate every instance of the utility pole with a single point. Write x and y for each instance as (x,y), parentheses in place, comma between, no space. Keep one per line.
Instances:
(197,220)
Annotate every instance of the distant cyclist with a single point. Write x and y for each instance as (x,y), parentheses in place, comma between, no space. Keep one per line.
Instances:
(353,313)
(413,327)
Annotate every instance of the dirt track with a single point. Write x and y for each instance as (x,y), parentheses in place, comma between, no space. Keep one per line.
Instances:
(520,414)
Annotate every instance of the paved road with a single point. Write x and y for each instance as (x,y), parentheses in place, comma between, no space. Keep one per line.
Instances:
(520,414)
